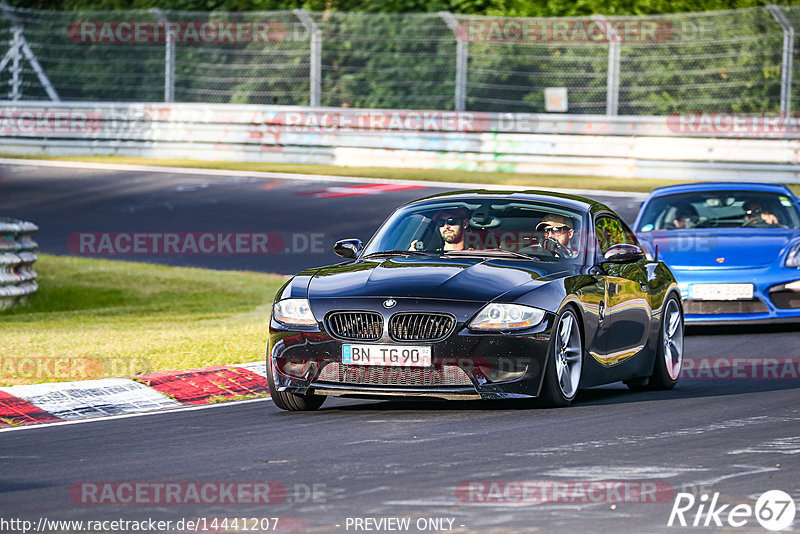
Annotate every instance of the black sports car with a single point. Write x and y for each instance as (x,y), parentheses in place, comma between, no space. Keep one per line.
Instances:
(479,295)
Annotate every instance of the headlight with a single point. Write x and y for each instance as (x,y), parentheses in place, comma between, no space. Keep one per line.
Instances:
(293,312)
(793,257)
(506,317)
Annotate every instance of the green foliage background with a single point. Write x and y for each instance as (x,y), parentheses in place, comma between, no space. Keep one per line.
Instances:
(373,58)
(513,8)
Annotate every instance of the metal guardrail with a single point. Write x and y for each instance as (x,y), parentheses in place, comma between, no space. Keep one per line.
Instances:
(17,255)
(95,119)
(589,145)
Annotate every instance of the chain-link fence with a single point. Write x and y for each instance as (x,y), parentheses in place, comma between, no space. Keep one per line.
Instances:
(724,61)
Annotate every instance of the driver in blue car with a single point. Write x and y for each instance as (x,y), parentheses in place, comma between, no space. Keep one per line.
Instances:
(756,215)
(452,224)
(558,232)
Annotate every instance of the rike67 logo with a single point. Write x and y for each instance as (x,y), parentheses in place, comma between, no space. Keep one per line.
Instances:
(774,510)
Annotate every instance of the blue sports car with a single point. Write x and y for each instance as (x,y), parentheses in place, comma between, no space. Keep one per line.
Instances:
(734,249)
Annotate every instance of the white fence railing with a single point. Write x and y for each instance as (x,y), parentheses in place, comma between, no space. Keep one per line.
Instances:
(17,277)
(716,147)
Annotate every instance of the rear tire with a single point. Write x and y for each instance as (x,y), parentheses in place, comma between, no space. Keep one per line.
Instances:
(564,362)
(292,402)
(669,354)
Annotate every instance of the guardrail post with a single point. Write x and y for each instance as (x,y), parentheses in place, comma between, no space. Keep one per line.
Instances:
(169,67)
(612,97)
(169,56)
(315,59)
(612,80)
(462,57)
(16,70)
(786,63)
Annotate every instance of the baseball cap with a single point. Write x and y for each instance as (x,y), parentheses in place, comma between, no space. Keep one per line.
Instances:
(554,220)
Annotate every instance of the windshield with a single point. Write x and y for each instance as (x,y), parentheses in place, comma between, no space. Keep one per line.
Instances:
(502,227)
(719,209)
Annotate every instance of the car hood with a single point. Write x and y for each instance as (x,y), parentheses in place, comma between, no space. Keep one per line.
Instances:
(724,248)
(475,279)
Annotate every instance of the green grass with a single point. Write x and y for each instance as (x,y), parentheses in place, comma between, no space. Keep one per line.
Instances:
(440,175)
(118,319)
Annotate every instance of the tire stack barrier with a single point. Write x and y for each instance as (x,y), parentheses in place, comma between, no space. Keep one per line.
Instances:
(17,255)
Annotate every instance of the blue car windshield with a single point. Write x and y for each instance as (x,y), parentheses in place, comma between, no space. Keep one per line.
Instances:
(720,209)
(511,228)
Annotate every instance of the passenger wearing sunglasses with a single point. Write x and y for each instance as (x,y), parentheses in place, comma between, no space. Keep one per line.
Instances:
(559,232)
(451,224)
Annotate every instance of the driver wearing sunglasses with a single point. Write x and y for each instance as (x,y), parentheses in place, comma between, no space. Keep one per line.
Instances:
(451,225)
(559,229)
(756,215)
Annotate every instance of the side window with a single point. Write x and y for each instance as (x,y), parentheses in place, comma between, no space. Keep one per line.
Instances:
(630,237)
(611,231)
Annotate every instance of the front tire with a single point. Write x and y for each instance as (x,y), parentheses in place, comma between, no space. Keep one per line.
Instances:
(564,362)
(292,402)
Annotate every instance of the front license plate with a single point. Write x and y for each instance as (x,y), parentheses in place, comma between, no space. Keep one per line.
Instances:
(386,355)
(722,291)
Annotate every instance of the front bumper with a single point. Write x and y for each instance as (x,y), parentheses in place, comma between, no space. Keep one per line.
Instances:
(772,302)
(465,365)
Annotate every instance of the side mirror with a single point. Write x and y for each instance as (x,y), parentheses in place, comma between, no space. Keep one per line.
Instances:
(348,248)
(623,254)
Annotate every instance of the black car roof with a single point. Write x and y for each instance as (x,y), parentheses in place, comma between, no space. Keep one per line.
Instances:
(574,201)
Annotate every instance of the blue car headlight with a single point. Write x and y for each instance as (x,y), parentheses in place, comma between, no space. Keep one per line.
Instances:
(793,256)
(506,317)
(293,312)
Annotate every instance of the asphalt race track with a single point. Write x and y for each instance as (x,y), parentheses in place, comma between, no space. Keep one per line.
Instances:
(309,216)
(356,462)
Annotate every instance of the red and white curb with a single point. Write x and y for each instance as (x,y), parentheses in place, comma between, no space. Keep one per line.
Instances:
(74,401)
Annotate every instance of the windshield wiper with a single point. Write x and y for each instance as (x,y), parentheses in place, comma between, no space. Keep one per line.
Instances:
(397,253)
(491,251)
